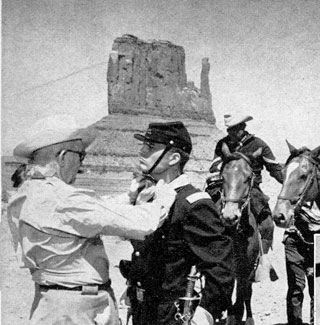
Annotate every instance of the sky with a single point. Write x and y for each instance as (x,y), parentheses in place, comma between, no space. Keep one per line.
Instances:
(264,56)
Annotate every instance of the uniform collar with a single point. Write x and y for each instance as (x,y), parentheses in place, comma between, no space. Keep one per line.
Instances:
(180,181)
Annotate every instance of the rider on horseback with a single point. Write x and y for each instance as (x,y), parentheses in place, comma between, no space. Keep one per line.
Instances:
(238,139)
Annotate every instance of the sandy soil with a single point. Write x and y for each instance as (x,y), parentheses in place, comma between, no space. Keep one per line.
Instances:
(17,287)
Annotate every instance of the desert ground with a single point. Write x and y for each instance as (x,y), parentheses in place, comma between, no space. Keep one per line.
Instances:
(17,287)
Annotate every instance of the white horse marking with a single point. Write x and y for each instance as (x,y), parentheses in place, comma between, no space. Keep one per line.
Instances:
(290,169)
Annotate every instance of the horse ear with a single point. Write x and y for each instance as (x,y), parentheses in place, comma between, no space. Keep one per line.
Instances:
(257,153)
(225,150)
(315,153)
(292,149)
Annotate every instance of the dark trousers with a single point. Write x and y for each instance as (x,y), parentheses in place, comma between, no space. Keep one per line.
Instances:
(266,228)
(299,264)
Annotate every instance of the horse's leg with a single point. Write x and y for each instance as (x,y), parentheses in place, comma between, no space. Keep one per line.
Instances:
(252,254)
(247,301)
(243,299)
(238,307)
(235,312)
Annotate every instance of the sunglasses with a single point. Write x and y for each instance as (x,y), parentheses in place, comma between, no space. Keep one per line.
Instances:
(81,154)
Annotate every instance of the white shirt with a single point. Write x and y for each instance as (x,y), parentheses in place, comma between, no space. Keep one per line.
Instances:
(58,225)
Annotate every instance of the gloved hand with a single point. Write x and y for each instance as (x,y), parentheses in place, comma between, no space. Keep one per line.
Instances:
(202,317)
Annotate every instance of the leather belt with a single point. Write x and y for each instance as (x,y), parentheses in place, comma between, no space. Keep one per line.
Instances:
(85,289)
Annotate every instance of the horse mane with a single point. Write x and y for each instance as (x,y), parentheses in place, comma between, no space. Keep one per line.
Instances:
(297,152)
(236,156)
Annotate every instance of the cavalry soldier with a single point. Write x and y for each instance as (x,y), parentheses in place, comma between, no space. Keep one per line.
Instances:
(238,139)
(58,227)
(192,236)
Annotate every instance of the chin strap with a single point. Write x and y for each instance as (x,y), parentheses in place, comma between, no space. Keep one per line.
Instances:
(148,174)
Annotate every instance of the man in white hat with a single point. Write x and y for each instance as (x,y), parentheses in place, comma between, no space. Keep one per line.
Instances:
(238,139)
(58,226)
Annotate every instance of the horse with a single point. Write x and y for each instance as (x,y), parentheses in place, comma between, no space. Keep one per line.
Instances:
(297,210)
(301,184)
(237,182)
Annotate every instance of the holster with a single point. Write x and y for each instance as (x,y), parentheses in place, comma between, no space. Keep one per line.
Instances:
(125,268)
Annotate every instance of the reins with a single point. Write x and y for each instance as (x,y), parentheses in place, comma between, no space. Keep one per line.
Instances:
(299,200)
(244,200)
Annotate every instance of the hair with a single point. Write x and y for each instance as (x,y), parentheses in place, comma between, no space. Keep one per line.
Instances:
(19,176)
(238,127)
(242,126)
(236,156)
(183,155)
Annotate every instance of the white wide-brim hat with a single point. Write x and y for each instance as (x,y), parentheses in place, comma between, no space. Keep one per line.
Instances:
(235,119)
(52,130)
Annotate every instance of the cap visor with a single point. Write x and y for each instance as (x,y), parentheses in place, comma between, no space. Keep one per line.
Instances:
(139,137)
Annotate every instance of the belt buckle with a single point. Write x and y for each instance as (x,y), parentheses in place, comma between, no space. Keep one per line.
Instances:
(91,290)
(140,294)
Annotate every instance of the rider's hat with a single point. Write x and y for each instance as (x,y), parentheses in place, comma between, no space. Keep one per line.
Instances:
(233,119)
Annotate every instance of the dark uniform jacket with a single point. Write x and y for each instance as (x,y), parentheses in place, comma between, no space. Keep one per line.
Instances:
(248,145)
(192,235)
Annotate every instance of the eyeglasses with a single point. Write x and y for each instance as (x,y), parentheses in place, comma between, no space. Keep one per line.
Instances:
(81,154)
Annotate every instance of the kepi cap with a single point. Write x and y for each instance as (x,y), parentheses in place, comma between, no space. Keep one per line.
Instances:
(174,134)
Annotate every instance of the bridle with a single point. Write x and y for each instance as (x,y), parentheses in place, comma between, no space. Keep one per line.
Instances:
(299,199)
(244,201)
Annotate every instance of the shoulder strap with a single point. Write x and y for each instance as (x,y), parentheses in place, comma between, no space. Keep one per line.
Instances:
(244,140)
(197,196)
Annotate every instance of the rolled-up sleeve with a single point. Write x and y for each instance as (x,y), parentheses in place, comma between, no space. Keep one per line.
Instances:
(85,214)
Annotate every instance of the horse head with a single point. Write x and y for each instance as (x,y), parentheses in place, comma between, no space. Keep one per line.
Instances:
(238,177)
(300,184)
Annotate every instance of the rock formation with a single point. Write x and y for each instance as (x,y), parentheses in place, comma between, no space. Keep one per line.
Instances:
(148,77)
(147,83)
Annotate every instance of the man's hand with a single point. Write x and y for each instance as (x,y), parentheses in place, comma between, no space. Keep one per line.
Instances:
(141,190)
